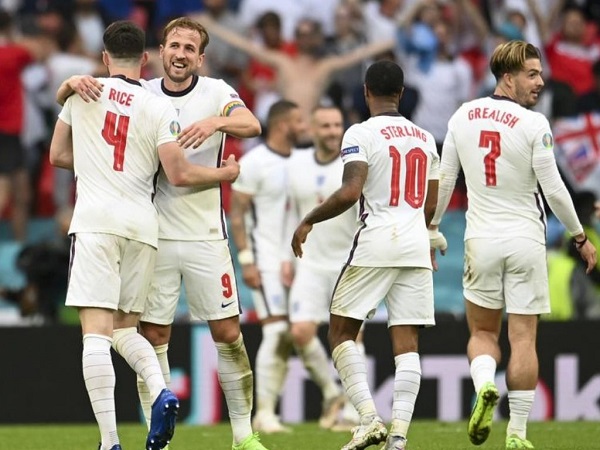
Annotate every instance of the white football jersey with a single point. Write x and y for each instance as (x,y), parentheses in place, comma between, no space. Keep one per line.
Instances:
(309,184)
(195,213)
(263,175)
(115,154)
(495,140)
(401,158)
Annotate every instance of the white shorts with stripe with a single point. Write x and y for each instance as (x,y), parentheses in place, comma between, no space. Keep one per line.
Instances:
(310,295)
(272,297)
(406,291)
(206,269)
(510,273)
(109,271)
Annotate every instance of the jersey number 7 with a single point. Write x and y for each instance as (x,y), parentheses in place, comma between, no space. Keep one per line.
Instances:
(490,140)
(115,134)
(415,164)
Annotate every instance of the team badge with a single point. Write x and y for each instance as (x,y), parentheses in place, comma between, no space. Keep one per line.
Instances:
(175,128)
(547,140)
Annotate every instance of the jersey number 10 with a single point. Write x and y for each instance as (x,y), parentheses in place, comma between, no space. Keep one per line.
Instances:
(415,165)
(115,134)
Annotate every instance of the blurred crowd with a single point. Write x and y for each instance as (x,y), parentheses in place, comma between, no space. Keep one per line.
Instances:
(311,52)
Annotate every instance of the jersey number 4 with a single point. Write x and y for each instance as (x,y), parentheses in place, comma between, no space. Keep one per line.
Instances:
(490,140)
(415,165)
(115,134)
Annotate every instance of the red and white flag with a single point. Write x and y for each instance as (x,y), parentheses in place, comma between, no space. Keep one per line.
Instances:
(577,149)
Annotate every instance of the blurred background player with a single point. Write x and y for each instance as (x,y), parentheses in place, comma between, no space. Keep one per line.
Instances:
(262,251)
(313,175)
(505,150)
(391,165)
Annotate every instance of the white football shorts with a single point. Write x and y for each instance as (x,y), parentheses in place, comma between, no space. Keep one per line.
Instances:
(406,291)
(272,297)
(109,271)
(206,269)
(310,295)
(509,273)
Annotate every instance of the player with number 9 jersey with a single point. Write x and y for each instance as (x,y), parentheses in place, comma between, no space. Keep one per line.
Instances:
(402,158)
(115,158)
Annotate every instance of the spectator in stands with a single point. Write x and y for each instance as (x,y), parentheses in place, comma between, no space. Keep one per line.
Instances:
(590,101)
(14,177)
(224,61)
(303,78)
(380,19)
(259,79)
(347,37)
(573,294)
(572,51)
(290,11)
(68,59)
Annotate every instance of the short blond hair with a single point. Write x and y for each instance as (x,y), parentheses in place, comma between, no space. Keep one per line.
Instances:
(510,57)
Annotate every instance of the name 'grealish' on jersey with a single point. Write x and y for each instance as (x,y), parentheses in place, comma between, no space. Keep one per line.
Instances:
(496,142)
(401,158)
(195,213)
(115,154)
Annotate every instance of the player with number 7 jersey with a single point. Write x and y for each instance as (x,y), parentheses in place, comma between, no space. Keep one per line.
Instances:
(505,149)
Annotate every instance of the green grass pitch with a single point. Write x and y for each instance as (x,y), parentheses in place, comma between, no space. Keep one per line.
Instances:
(423,435)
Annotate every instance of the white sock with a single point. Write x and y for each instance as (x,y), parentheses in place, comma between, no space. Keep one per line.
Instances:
(143,391)
(235,377)
(314,358)
(519,405)
(99,377)
(140,356)
(407,382)
(483,369)
(271,365)
(349,412)
(353,373)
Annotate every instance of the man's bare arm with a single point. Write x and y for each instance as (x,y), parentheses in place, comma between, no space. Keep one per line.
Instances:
(359,54)
(61,147)
(272,58)
(86,86)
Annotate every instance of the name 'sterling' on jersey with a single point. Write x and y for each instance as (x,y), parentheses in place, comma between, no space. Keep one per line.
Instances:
(493,114)
(400,131)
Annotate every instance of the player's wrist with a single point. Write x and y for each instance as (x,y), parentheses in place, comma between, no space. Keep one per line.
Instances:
(245,257)
(579,243)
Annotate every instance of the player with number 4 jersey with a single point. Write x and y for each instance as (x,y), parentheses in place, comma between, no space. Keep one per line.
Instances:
(115,145)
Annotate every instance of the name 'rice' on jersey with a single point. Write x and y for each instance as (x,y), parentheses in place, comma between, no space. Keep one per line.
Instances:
(495,140)
(191,213)
(401,158)
(115,154)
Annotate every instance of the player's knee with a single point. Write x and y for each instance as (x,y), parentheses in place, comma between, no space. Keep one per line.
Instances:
(302,334)
(226,336)
(155,334)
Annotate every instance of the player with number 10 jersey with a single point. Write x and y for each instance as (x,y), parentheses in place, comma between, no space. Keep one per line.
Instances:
(402,158)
